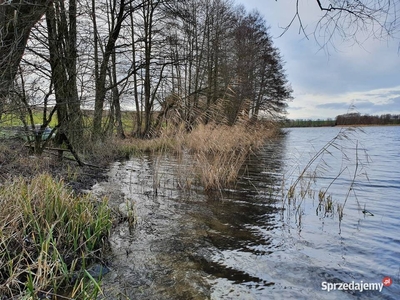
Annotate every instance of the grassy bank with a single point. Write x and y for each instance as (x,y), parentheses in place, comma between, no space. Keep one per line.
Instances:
(48,236)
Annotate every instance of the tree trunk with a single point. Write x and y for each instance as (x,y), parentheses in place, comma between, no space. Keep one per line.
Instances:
(62,48)
(101,89)
(148,11)
(135,85)
(115,98)
(75,125)
(16,21)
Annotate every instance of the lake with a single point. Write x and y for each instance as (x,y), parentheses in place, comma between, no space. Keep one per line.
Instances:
(337,230)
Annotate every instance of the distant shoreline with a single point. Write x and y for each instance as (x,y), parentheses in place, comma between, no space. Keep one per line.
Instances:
(349,125)
(350,119)
(366,125)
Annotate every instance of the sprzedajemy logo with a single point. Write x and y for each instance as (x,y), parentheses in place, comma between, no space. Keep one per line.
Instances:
(356,286)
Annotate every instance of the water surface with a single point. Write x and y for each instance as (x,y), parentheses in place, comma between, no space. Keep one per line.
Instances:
(250,241)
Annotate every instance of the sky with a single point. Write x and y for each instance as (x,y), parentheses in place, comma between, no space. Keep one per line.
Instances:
(336,79)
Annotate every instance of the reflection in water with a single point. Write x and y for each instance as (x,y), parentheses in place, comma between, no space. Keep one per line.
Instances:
(243,243)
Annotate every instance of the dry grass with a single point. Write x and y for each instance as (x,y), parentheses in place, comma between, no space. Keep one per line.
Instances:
(135,146)
(344,147)
(218,151)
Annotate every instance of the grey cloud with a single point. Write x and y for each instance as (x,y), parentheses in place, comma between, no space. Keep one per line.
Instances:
(361,105)
(392,106)
(334,105)
(384,95)
(368,107)
(365,106)
(296,107)
(334,74)
(314,72)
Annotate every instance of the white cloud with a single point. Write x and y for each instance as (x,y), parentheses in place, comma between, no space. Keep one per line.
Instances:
(314,106)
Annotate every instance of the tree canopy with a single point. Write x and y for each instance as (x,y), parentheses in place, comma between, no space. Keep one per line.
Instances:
(193,60)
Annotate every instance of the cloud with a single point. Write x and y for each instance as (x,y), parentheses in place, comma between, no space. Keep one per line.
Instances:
(391,106)
(368,107)
(363,105)
(383,94)
(395,100)
(334,105)
(327,81)
(296,107)
(322,106)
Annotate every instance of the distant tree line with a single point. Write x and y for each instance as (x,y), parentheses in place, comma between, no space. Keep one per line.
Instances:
(358,119)
(309,123)
(346,119)
(199,60)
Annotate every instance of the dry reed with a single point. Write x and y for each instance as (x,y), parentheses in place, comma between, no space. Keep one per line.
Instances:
(220,151)
(217,151)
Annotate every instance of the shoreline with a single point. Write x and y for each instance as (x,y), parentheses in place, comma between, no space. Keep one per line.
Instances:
(17,162)
(350,125)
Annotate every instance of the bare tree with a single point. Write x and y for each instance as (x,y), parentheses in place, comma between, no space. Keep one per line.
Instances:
(62,42)
(224,61)
(157,54)
(118,14)
(151,57)
(22,103)
(259,82)
(348,18)
(136,93)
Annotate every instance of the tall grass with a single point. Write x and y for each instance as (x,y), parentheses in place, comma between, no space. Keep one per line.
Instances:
(344,148)
(217,151)
(220,151)
(47,234)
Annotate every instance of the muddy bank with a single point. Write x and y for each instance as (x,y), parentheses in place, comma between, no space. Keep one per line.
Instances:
(16,160)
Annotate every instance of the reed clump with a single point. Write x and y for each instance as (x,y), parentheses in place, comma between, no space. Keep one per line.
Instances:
(168,139)
(47,235)
(345,149)
(136,146)
(220,150)
(217,151)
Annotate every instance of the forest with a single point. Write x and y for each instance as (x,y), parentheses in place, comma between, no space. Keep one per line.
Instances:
(85,62)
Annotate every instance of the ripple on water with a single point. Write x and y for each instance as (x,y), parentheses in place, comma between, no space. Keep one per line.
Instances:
(245,243)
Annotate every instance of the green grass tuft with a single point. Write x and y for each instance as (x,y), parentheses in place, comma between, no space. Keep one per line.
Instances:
(46,235)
